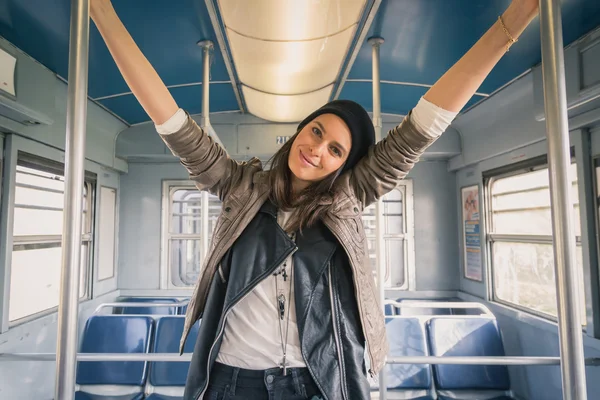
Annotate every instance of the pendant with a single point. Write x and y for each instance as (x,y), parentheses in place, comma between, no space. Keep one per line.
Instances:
(283,366)
(281,304)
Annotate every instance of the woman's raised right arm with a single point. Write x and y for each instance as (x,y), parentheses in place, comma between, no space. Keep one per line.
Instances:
(139,74)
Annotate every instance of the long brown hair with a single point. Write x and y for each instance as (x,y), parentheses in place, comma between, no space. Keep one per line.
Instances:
(311,203)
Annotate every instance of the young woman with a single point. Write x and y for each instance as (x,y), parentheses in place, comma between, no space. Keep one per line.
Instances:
(287,299)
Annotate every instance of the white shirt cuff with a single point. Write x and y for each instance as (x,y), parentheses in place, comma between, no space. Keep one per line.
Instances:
(431,119)
(173,124)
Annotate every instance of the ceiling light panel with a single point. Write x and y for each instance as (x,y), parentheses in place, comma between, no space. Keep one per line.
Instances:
(289,67)
(281,108)
(290,20)
(288,48)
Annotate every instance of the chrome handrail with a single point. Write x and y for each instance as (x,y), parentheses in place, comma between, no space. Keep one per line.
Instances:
(140,304)
(170,357)
(503,360)
(441,304)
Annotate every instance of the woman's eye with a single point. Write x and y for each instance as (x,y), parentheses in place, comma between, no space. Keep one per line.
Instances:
(317,131)
(336,151)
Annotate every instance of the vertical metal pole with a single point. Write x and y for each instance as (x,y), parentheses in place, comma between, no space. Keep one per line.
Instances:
(207,46)
(557,131)
(66,351)
(376,42)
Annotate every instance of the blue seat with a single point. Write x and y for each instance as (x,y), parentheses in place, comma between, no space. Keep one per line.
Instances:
(114,334)
(169,377)
(406,337)
(147,310)
(468,337)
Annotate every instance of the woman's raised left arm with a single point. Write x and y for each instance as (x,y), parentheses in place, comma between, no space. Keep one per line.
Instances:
(390,160)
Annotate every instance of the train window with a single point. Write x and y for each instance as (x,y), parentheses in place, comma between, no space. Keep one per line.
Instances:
(192,217)
(37,238)
(520,236)
(395,236)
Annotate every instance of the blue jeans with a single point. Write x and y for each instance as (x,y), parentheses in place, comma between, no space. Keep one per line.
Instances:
(230,383)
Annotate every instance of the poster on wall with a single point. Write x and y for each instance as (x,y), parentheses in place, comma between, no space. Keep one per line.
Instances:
(471,233)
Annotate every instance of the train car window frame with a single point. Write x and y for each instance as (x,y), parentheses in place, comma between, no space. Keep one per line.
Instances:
(36,169)
(493,237)
(171,275)
(395,279)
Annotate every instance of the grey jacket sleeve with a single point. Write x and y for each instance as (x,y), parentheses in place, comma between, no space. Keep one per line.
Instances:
(388,162)
(208,164)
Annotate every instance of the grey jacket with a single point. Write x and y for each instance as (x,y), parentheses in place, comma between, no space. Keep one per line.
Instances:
(243,187)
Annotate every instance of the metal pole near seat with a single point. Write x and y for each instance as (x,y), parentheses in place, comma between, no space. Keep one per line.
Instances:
(66,348)
(559,160)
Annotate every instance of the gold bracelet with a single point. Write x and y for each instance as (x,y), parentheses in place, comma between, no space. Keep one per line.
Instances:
(511,40)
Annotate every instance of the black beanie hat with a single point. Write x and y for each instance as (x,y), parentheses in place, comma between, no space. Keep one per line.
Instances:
(359,123)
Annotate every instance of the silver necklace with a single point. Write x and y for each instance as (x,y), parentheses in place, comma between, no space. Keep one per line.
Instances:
(282,306)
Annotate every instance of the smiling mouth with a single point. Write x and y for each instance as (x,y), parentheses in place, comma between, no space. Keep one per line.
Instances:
(306,159)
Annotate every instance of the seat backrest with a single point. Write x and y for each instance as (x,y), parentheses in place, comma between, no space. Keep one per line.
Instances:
(168,335)
(115,334)
(146,310)
(467,337)
(406,338)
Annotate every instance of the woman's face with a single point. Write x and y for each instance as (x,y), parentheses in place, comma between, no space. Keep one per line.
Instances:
(320,149)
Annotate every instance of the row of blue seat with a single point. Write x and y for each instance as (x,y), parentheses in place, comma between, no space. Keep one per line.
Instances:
(133,334)
(408,336)
(441,336)
(446,336)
